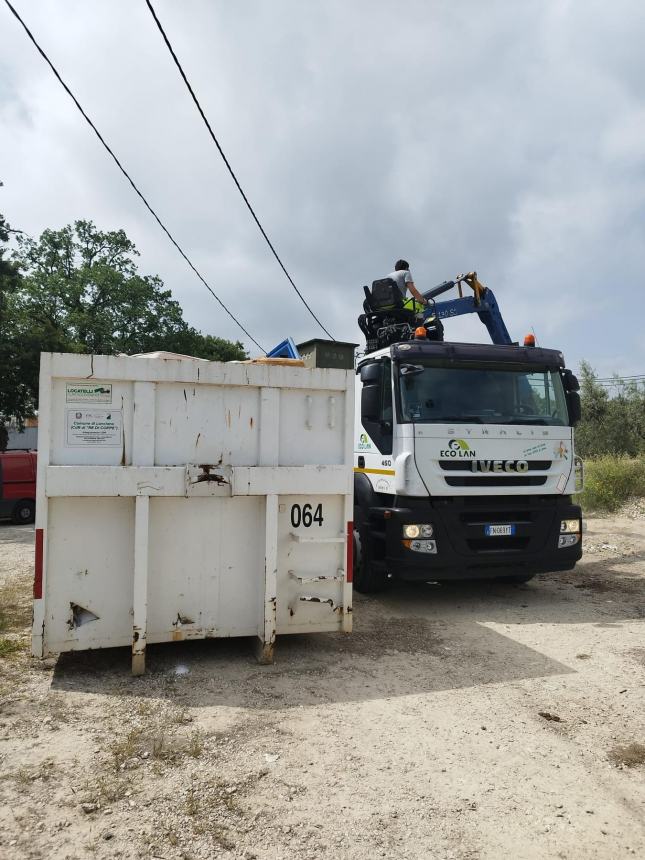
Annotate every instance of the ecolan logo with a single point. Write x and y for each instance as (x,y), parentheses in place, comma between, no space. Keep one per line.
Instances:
(458,448)
(364,443)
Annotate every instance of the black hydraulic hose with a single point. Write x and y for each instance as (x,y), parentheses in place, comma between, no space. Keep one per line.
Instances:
(437,291)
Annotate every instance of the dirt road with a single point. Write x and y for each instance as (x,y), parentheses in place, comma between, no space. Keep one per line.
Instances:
(474,721)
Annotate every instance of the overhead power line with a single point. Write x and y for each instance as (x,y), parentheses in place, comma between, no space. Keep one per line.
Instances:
(230,169)
(636,377)
(127,175)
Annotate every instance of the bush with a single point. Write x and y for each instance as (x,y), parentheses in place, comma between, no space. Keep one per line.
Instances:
(610,481)
(610,425)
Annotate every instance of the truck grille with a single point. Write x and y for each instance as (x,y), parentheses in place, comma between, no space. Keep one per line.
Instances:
(499,480)
(497,544)
(461,466)
(466,516)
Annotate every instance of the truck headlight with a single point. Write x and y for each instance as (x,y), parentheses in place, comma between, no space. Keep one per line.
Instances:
(428,546)
(414,530)
(570,526)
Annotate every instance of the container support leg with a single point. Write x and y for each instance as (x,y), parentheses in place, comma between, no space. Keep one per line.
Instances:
(140,597)
(266,637)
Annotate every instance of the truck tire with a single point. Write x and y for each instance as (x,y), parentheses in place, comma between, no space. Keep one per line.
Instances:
(24,512)
(369,577)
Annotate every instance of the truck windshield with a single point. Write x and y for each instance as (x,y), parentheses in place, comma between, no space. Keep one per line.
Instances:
(481,395)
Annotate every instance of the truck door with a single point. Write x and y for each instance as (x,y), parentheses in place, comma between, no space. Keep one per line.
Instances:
(377,412)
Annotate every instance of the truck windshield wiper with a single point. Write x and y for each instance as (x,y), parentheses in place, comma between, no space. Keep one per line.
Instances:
(535,420)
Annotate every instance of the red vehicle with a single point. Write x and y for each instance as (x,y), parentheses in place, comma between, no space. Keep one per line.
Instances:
(18,485)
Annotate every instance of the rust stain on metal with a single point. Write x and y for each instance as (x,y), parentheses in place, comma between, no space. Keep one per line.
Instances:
(207,477)
(123,448)
(199,436)
(251,422)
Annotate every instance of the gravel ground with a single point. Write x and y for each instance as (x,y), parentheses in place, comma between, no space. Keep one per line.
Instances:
(474,721)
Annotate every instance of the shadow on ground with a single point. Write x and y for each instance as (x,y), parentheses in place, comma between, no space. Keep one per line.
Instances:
(412,639)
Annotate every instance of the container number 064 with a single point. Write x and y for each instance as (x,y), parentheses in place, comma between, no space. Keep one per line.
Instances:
(306,516)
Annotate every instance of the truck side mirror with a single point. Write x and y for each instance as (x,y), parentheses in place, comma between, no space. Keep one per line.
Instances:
(575,409)
(372,379)
(371,373)
(571,381)
(371,403)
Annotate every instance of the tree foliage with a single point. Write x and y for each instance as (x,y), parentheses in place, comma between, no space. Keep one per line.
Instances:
(610,425)
(12,389)
(78,290)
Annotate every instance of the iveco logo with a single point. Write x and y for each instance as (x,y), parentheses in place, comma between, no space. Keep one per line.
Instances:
(499,466)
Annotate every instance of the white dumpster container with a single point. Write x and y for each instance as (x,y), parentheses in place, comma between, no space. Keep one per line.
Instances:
(181,499)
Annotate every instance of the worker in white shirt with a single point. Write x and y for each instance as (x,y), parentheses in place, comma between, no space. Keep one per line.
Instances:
(403,279)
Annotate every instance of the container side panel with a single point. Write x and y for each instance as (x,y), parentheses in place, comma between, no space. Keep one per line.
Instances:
(206,567)
(90,564)
(207,424)
(311,561)
(91,423)
(241,585)
(312,427)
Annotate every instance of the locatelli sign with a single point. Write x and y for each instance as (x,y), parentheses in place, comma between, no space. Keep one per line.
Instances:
(88,392)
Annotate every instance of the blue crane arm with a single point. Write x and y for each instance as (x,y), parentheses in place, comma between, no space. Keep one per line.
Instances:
(487,310)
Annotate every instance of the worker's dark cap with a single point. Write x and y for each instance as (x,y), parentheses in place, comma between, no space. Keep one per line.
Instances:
(401,265)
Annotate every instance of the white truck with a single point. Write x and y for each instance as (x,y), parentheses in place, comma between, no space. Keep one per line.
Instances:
(464,463)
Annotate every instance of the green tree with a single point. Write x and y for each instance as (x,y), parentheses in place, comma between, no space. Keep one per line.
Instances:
(13,392)
(610,425)
(78,290)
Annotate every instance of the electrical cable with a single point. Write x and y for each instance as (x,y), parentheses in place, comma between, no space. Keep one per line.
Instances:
(127,175)
(230,169)
(611,379)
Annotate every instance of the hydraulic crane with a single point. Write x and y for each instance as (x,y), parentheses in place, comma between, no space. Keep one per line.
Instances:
(386,321)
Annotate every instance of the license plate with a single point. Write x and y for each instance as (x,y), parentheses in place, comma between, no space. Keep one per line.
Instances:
(499,531)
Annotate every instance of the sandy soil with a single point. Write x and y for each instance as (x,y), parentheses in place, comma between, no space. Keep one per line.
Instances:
(474,721)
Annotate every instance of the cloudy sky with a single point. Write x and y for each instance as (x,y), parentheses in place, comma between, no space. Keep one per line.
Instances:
(506,136)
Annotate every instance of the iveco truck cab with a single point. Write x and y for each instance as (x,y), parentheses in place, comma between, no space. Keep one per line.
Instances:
(464,464)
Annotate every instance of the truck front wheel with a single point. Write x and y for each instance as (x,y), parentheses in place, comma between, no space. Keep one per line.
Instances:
(370,576)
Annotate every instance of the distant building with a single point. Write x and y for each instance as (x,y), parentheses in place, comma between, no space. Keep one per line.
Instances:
(27,439)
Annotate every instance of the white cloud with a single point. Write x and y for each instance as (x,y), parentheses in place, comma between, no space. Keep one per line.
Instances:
(505,136)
